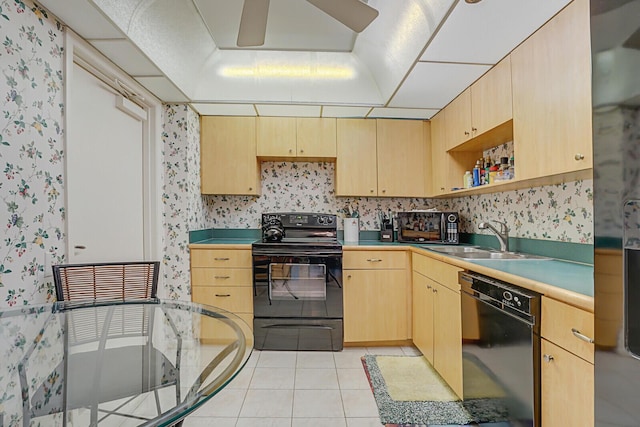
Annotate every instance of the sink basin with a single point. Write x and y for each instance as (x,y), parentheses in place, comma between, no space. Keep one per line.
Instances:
(475,252)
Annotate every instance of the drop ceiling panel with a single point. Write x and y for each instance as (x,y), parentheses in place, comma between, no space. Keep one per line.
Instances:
(485,32)
(225,109)
(289,110)
(345,112)
(402,113)
(291,25)
(434,85)
(127,56)
(83,18)
(162,88)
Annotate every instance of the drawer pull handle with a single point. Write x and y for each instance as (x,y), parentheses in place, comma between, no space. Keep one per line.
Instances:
(548,358)
(580,336)
(223,295)
(222,277)
(374,260)
(221,259)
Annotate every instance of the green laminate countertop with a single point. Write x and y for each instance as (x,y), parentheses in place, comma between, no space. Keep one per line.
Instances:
(571,282)
(223,241)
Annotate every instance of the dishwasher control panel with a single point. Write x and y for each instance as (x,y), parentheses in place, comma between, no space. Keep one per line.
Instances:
(507,294)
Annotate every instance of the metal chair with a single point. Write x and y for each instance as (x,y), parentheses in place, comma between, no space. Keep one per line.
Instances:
(105,341)
(106,281)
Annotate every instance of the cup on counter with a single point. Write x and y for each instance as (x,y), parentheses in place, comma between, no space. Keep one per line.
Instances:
(352,230)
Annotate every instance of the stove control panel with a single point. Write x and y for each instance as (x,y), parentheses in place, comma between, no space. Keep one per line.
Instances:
(301,220)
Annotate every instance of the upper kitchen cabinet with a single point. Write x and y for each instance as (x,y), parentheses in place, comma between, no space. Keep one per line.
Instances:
(296,137)
(483,110)
(383,158)
(356,164)
(276,136)
(447,168)
(316,137)
(402,158)
(228,163)
(552,96)
(458,120)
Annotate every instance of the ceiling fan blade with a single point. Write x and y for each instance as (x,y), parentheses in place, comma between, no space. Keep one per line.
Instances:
(352,13)
(253,23)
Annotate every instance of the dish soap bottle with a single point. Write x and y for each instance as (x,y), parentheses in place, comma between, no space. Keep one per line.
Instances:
(467,180)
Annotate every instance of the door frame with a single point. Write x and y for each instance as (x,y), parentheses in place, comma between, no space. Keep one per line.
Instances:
(82,53)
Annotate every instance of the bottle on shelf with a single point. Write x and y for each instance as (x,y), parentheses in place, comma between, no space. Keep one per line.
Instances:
(476,174)
(483,176)
(467,180)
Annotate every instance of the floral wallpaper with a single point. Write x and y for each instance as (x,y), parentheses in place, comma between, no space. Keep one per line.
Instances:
(560,212)
(183,205)
(31,151)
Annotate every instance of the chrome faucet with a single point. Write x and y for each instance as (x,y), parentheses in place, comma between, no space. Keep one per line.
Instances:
(502,235)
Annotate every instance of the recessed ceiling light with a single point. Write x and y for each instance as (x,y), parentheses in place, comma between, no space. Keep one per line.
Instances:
(473,1)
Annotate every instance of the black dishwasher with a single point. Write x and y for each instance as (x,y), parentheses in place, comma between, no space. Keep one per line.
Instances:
(500,349)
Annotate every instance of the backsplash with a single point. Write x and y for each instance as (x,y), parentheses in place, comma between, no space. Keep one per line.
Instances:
(562,212)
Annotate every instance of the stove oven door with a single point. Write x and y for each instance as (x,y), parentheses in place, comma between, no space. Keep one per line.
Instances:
(297,302)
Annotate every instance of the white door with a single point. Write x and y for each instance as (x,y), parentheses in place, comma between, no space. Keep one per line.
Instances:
(105,188)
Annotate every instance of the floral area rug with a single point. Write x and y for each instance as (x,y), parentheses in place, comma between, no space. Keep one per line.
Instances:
(415,395)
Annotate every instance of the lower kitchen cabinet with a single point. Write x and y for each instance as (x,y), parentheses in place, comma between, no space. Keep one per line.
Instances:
(437,317)
(222,278)
(567,373)
(567,388)
(376,296)
(423,316)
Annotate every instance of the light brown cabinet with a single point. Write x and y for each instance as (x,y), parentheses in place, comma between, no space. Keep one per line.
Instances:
(222,278)
(376,296)
(481,108)
(356,163)
(437,317)
(458,120)
(567,373)
(402,157)
(552,96)
(228,163)
(296,137)
(383,158)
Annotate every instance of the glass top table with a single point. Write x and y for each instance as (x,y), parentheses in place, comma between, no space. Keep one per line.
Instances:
(147,363)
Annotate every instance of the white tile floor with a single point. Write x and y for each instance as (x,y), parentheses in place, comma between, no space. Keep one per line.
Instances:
(292,389)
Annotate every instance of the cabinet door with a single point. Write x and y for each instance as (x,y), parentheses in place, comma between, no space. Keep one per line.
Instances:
(567,388)
(422,300)
(458,120)
(491,103)
(439,155)
(447,356)
(401,158)
(375,305)
(276,136)
(228,162)
(551,73)
(316,137)
(356,169)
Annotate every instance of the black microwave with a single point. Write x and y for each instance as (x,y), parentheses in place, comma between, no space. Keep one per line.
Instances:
(428,227)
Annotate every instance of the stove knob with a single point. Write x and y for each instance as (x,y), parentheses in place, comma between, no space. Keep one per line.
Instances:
(329,220)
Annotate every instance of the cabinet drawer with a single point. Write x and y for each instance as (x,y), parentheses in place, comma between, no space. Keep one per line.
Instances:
(374,260)
(562,324)
(234,299)
(221,277)
(212,331)
(229,258)
(441,272)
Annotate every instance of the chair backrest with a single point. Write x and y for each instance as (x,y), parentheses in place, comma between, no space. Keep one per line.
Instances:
(106,281)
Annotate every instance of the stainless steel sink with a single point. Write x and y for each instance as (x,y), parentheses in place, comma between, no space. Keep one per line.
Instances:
(475,252)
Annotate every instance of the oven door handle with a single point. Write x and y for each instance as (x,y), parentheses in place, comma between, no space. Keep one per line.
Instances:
(296,326)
